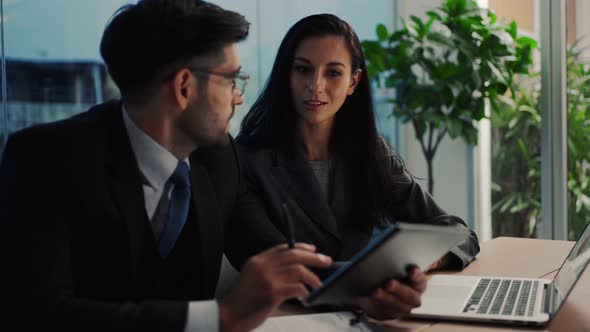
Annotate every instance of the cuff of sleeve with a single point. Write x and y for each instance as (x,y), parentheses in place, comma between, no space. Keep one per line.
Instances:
(457,259)
(202,316)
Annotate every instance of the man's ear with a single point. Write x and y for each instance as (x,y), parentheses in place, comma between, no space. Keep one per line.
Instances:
(184,87)
(354,82)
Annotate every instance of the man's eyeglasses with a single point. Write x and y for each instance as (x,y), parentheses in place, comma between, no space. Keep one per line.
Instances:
(239,80)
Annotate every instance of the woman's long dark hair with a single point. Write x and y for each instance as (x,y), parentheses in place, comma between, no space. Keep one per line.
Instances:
(271,120)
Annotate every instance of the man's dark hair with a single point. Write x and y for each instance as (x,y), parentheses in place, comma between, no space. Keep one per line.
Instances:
(142,40)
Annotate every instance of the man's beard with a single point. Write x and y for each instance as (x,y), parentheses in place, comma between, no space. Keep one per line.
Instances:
(206,136)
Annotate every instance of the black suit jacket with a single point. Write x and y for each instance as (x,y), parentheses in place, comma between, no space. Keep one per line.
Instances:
(78,252)
(282,174)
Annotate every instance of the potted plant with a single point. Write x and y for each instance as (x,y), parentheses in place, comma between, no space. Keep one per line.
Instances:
(445,71)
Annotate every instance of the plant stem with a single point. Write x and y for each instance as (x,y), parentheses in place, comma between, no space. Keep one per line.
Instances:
(428,153)
(439,138)
(429,157)
(430,175)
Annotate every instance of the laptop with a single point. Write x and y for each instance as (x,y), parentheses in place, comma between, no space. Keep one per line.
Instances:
(498,300)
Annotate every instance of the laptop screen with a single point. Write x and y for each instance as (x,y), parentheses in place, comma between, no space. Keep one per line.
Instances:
(571,270)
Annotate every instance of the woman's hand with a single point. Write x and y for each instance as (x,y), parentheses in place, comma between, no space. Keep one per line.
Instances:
(439,264)
(395,299)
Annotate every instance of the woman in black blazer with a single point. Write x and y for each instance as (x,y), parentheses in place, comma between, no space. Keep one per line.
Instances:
(310,141)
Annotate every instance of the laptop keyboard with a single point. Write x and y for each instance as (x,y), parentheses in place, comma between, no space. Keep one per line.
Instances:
(503,297)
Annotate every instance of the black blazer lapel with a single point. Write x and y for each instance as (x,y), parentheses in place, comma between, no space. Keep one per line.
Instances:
(125,184)
(294,175)
(342,191)
(208,221)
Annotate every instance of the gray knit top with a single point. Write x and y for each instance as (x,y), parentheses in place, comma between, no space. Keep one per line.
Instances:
(323,171)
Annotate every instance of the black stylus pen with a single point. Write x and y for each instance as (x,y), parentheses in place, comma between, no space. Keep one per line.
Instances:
(289,223)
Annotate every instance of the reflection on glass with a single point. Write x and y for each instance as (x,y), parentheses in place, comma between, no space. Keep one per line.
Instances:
(43,91)
(53,66)
(571,270)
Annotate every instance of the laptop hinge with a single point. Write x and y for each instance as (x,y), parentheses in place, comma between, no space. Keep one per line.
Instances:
(548,293)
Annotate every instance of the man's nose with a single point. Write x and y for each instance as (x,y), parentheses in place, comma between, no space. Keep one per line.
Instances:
(239,100)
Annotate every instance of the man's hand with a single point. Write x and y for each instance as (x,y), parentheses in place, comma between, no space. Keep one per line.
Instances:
(395,298)
(267,280)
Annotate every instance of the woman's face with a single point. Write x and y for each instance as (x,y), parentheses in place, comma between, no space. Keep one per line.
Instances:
(321,79)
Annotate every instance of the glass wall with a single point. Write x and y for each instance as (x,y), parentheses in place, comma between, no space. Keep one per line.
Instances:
(516,149)
(578,115)
(54,69)
(516,137)
(51,52)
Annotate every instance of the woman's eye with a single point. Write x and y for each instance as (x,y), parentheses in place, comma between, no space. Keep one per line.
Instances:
(334,73)
(301,69)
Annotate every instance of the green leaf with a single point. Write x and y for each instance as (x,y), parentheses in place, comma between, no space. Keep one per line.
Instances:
(439,38)
(434,15)
(455,87)
(512,29)
(470,134)
(479,113)
(419,25)
(582,81)
(397,36)
(382,32)
(420,128)
(454,128)
(492,16)
(496,72)
(527,41)
(505,102)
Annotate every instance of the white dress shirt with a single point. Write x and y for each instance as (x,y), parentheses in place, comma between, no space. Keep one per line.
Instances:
(156,165)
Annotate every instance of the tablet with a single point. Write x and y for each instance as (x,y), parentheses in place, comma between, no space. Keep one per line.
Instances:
(387,256)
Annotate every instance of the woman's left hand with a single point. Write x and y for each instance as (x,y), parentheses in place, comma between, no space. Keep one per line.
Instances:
(395,299)
(439,264)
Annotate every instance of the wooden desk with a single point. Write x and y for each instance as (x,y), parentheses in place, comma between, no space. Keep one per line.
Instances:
(516,257)
(512,257)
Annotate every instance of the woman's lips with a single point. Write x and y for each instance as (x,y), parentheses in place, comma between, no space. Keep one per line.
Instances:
(314,105)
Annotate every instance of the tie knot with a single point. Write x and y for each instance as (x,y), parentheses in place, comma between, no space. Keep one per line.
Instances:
(181,177)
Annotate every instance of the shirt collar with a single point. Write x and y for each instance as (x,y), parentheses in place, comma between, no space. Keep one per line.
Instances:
(155,162)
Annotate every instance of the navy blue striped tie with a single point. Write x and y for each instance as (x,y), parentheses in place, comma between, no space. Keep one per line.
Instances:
(177,209)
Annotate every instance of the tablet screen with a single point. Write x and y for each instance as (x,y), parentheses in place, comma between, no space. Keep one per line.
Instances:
(387,256)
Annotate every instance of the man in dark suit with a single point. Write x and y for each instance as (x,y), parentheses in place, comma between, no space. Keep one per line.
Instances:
(115,219)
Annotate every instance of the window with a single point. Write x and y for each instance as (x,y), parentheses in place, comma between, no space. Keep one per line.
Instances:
(516,138)
(578,116)
(53,66)
(545,190)
(54,69)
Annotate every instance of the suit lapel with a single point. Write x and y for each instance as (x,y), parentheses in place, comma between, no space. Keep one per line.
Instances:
(294,175)
(124,181)
(207,218)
